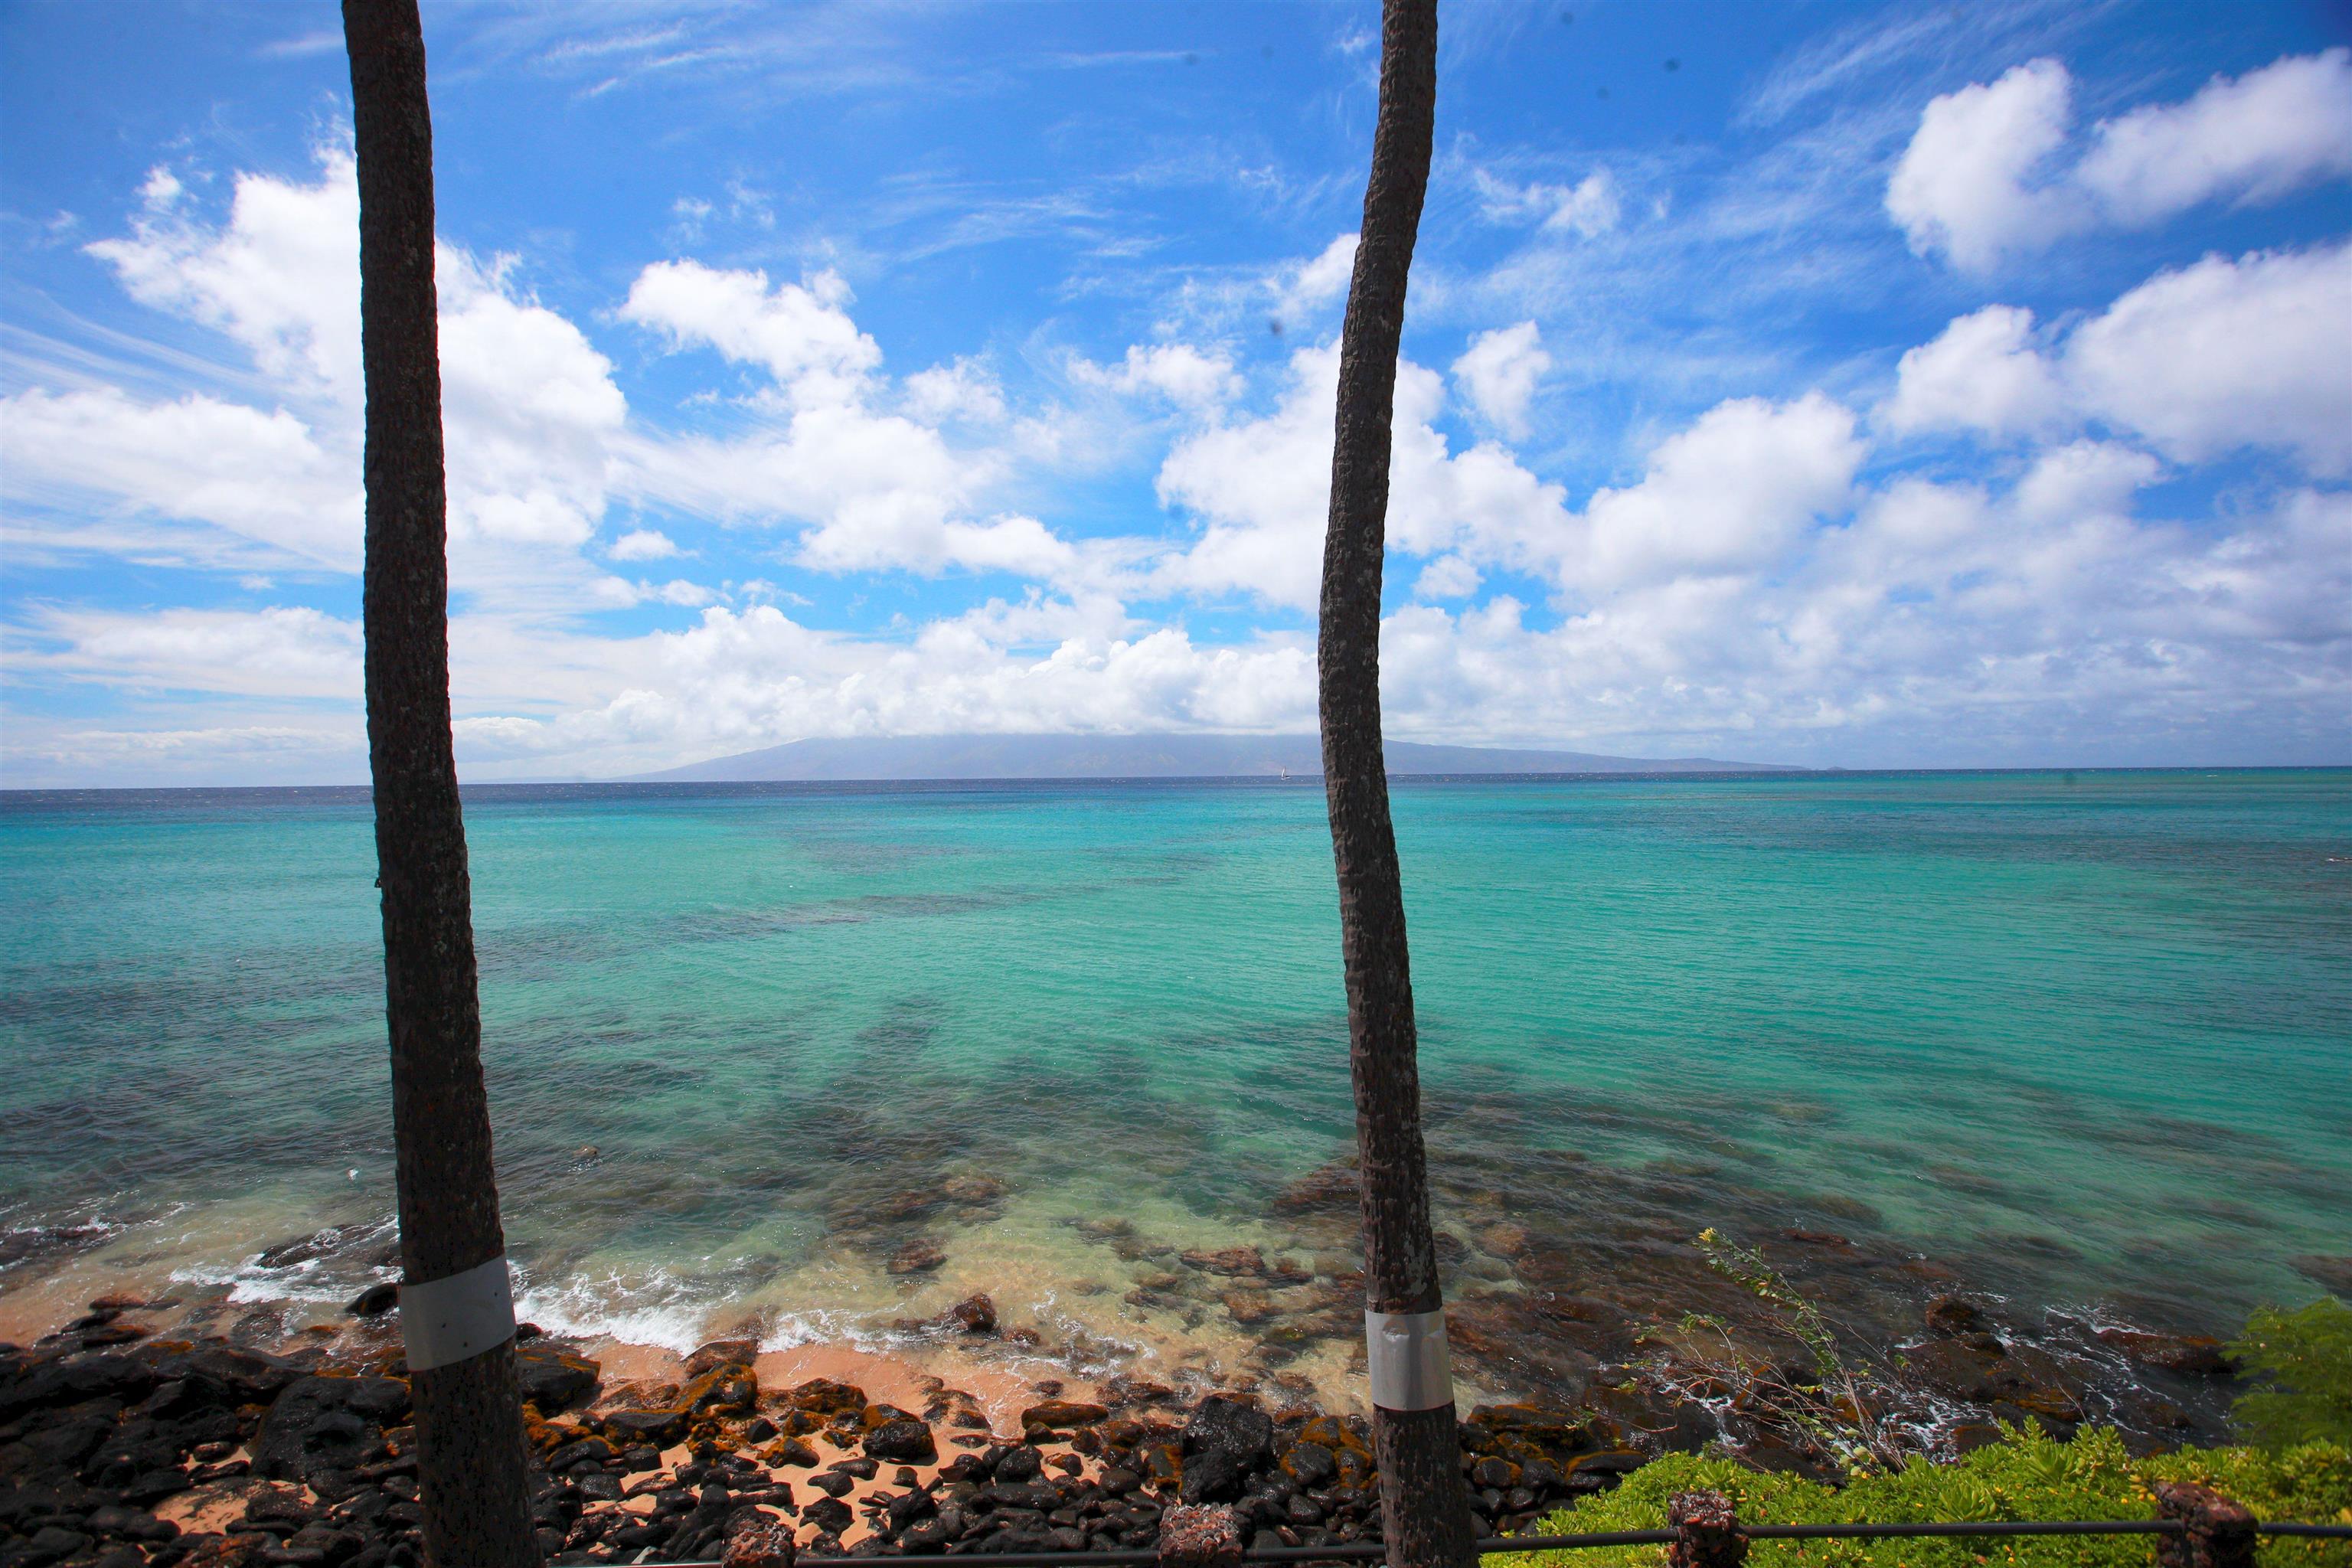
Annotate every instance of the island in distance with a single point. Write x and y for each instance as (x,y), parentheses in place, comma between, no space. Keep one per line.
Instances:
(911,757)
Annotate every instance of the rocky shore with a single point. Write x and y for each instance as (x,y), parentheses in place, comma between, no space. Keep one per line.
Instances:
(123,1441)
(262,1416)
(119,1450)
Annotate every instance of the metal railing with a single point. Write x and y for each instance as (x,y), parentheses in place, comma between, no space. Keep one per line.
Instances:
(1374,1551)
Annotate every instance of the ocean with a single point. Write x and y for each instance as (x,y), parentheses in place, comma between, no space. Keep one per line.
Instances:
(2078,1040)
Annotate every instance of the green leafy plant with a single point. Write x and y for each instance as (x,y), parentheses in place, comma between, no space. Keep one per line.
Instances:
(2026,1476)
(2303,1359)
(1836,1410)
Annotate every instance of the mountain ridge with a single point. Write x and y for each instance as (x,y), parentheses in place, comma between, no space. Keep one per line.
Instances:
(1043,757)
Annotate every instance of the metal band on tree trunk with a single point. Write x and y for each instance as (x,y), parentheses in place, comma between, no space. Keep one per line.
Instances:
(457,1316)
(1410,1367)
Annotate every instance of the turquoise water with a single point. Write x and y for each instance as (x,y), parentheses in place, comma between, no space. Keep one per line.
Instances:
(2083,1035)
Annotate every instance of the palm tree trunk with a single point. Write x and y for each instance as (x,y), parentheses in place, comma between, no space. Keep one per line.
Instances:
(1423,1504)
(471,1469)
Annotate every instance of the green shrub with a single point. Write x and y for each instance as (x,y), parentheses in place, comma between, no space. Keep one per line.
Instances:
(2304,1358)
(2026,1476)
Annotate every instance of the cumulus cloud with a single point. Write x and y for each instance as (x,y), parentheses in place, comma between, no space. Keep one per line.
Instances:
(1731,495)
(1183,374)
(1261,489)
(1305,289)
(2224,353)
(1984,371)
(2252,138)
(1748,574)
(643,544)
(1499,374)
(963,391)
(1447,577)
(799,333)
(2201,361)
(1966,184)
(1983,179)
(528,405)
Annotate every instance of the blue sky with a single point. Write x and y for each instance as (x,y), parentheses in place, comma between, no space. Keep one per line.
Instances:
(1821,383)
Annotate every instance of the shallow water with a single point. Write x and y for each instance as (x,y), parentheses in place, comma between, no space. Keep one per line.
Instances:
(2082,1037)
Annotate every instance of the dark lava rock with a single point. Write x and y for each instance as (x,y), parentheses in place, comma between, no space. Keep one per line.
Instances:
(974,1314)
(1019,1463)
(303,1248)
(919,1255)
(555,1380)
(823,1396)
(908,1441)
(1234,1262)
(2199,1355)
(1956,1315)
(1225,1442)
(722,1352)
(2030,1380)
(830,1515)
(1061,1416)
(327,1424)
(1332,1189)
(586,1451)
(375,1300)
(1494,1471)
(1517,1428)
(1309,1465)
(1127,1389)
(659,1427)
(732,1389)
(250,1377)
(107,1377)
(792,1451)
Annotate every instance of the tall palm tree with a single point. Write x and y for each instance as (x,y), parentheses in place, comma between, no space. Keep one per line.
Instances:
(1425,1505)
(475,1491)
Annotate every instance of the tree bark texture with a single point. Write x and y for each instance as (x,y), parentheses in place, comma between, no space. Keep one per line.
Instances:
(471,1470)
(1423,1504)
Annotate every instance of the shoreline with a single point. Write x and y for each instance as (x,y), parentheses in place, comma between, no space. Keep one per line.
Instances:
(1643,1323)
(212,1425)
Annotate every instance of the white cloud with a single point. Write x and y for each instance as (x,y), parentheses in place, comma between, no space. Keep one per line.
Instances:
(1179,373)
(281,277)
(643,544)
(964,390)
(2083,479)
(261,477)
(2255,137)
(1962,184)
(2222,355)
(1499,371)
(1303,290)
(1261,489)
(1588,208)
(1447,577)
(528,405)
(1731,495)
(1982,179)
(2198,361)
(1983,372)
(283,651)
(800,332)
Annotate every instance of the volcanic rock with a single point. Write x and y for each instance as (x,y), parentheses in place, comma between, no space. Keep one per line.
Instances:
(1225,1442)
(327,1424)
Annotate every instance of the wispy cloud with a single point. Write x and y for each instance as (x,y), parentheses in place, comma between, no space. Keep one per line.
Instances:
(302,45)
